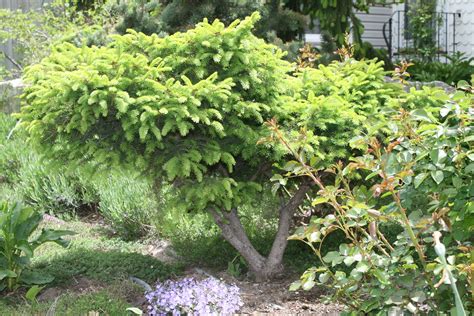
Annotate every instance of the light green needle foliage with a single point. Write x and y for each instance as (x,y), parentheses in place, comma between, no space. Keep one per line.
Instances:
(336,102)
(189,106)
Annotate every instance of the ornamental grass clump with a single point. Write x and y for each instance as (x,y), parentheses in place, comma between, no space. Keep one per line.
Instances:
(194,297)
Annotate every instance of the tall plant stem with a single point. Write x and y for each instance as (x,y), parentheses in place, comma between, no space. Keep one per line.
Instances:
(410,231)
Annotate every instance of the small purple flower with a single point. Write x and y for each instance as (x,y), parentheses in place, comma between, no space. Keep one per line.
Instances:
(191,297)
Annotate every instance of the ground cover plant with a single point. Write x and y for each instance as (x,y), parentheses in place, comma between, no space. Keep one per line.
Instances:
(189,296)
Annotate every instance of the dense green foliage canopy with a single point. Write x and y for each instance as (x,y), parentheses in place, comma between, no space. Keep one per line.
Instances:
(188,106)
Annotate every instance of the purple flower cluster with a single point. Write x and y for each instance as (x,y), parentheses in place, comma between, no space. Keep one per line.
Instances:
(192,297)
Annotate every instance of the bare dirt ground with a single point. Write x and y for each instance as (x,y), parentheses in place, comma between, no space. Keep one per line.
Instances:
(274,298)
(271,298)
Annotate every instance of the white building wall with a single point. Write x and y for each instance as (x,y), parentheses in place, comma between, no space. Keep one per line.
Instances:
(464,24)
(373,22)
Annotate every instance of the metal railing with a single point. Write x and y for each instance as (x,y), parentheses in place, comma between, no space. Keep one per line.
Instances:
(402,44)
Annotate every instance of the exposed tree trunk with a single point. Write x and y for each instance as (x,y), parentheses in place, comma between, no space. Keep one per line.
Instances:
(261,267)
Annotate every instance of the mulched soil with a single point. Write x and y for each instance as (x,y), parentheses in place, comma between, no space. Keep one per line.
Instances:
(274,298)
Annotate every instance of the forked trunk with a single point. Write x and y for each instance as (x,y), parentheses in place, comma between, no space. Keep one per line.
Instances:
(263,268)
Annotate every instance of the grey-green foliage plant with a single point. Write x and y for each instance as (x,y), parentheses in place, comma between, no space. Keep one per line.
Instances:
(128,202)
(125,199)
(38,182)
(18,243)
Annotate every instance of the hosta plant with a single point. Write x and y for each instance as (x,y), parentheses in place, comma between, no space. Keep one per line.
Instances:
(18,241)
(194,297)
(419,180)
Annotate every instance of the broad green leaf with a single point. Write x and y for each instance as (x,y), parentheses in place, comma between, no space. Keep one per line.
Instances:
(308,285)
(418,296)
(319,200)
(438,156)
(324,277)
(362,267)
(421,115)
(34,277)
(295,286)
(419,179)
(437,176)
(33,292)
(7,274)
(333,257)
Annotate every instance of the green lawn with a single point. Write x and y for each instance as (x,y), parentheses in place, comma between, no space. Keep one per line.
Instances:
(91,275)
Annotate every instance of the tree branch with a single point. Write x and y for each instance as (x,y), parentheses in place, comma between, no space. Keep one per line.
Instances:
(233,232)
(286,214)
(13,61)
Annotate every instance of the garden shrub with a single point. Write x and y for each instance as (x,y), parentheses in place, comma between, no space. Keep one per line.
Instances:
(418,178)
(187,108)
(457,68)
(335,102)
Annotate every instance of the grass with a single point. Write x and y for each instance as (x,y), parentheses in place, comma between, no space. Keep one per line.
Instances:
(91,275)
(107,301)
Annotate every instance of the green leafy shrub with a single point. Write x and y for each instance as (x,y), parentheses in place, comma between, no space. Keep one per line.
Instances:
(335,102)
(17,245)
(420,181)
(456,69)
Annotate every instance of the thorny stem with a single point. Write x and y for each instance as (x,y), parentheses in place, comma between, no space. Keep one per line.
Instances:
(410,231)
(318,182)
(385,241)
(402,210)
